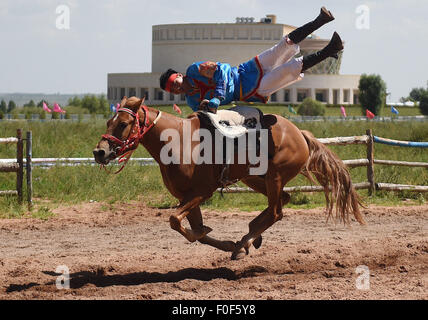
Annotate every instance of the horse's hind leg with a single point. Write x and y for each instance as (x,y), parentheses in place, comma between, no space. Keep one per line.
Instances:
(258,184)
(196,223)
(274,183)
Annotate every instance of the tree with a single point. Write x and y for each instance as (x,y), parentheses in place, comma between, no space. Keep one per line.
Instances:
(30,104)
(40,104)
(311,107)
(3,106)
(91,103)
(372,93)
(75,101)
(11,106)
(423,103)
(417,93)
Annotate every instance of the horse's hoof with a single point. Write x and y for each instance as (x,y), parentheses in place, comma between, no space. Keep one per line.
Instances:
(193,235)
(257,242)
(238,255)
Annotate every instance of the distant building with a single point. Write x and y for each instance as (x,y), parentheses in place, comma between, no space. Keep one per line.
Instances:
(177,46)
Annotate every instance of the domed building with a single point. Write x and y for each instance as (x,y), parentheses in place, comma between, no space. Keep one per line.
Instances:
(177,46)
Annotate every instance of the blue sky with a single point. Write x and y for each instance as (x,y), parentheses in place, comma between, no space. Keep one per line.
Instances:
(115,36)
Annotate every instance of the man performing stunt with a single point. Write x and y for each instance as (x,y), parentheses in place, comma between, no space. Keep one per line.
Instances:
(208,84)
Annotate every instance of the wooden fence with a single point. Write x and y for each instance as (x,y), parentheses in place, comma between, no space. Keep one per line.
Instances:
(18,166)
(369,140)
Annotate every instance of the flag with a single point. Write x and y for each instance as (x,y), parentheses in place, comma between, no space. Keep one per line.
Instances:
(342,109)
(369,114)
(176,108)
(45,107)
(290,109)
(57,108)
(393,110)
(112,108)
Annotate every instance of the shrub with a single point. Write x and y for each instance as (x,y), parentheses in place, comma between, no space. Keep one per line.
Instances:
(310,107)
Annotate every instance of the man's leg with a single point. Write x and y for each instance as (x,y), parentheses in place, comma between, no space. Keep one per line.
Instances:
(287,48)
(290,72)
(280,77)
(301,33)
(331,50)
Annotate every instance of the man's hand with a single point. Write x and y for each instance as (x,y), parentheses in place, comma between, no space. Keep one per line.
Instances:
(204,105)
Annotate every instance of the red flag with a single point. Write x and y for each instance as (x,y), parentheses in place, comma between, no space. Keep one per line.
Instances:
(369,114)
(342,109)
(176,108)
(45,107)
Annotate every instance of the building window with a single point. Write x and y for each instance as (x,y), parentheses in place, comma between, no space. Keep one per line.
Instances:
(346,96)
(286,95)
(321,95)
(302,94)
(158,94)
(132,92)
(273,97)
(182,97)
(335,96)
(171,97)
(356,94)
(144,92)
(122,93)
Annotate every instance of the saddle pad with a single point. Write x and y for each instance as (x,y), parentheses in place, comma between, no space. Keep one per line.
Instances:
(236,121)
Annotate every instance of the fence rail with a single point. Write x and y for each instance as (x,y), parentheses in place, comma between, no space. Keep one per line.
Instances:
(10,165)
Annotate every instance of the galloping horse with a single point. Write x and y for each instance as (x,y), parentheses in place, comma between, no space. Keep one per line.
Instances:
(291,151)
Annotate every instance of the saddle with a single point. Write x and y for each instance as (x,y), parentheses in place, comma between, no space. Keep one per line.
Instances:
(234,122)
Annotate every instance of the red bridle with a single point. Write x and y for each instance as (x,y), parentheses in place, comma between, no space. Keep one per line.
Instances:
(126,147)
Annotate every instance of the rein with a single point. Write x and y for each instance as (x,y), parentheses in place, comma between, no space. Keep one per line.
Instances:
(126,147)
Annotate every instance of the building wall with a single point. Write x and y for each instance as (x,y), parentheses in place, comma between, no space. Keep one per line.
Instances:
(178,46)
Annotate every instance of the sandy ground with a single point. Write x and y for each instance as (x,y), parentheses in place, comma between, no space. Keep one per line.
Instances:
(129,252)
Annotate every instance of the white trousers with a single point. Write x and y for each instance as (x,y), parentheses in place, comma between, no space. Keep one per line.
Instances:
(279,66)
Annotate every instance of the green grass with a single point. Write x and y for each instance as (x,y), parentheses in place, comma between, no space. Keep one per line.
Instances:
(84,183)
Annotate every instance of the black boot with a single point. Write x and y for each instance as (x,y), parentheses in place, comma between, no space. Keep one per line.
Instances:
(331,50)
(301,33)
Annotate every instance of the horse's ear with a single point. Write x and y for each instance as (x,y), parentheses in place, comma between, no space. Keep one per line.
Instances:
(123,102)
(142,101)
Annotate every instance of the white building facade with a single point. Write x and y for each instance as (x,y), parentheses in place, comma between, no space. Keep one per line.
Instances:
(177,46)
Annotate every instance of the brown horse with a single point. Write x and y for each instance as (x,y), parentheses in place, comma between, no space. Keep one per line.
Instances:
(291,151)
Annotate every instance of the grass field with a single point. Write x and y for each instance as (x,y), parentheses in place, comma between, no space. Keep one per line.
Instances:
(84,183)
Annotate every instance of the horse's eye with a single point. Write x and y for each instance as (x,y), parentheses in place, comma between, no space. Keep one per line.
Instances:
(123,125)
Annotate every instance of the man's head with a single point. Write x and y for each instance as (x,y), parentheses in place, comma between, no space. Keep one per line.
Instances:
(172,81)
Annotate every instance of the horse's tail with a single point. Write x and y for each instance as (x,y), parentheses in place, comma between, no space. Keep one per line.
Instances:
(333,175)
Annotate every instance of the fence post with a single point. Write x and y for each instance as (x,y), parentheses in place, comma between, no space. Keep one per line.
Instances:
(370,158)
(20,161)
(29,171)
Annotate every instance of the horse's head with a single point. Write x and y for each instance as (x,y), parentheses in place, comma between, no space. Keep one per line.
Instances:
(123,131)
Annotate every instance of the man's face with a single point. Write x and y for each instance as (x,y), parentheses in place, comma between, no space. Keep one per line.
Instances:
(177,85)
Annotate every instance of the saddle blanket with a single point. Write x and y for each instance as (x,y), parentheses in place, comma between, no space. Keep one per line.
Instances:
(236,121)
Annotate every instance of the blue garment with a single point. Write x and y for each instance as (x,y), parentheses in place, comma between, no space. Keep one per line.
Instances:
(219,80)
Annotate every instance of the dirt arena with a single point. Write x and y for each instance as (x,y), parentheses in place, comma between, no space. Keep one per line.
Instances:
(128,251)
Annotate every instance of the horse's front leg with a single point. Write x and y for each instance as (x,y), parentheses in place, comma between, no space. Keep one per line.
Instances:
(196,223)
(198,230)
